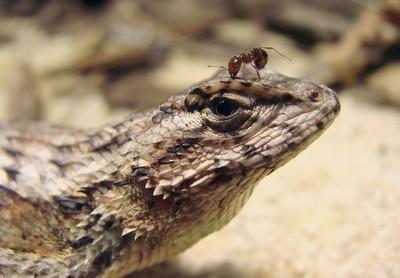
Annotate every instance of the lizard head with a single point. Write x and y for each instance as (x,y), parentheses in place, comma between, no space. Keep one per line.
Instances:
(212,144)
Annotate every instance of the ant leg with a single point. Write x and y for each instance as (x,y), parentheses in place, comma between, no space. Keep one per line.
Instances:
(244,76)
(258,73)
(221,67)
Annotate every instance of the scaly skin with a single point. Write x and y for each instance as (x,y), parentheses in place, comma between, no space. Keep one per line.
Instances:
(107,203)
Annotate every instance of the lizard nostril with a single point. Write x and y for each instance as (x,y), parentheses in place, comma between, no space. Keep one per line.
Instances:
(314,95)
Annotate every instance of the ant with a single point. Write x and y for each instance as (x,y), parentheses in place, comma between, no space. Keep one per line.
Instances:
(257,58)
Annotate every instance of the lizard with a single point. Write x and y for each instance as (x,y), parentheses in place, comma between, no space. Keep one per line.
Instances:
(108,202)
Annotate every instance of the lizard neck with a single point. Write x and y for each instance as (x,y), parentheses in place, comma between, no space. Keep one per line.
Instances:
(152,232)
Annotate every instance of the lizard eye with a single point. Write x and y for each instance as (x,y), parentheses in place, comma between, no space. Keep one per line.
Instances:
(223,112)
(224,107)
(229,112)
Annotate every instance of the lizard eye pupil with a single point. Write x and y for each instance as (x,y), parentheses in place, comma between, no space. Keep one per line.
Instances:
(224,108)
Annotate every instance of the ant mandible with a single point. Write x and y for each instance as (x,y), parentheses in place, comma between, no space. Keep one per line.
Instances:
(257,58)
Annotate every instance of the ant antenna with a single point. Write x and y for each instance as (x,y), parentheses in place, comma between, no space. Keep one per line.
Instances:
(271,48)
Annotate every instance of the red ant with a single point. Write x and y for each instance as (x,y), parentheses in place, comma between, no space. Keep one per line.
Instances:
(258,58)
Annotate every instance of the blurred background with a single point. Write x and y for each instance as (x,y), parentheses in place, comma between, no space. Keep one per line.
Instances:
(332,212)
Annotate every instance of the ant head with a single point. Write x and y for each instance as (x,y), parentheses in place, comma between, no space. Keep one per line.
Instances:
(260,57)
